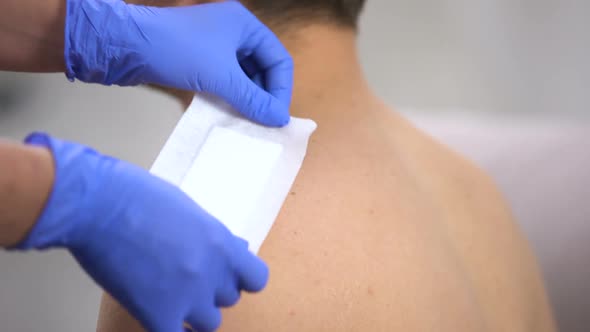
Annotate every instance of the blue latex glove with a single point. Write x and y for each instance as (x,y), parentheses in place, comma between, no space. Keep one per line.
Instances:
(217,48)
(143,240)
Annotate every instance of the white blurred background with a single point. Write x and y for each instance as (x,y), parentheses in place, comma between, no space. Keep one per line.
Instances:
(505,82)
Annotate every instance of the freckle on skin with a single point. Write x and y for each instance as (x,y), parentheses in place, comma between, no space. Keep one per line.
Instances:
(293,193)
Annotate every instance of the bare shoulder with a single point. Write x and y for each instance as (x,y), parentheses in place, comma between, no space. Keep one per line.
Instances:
(484,232)
(460,184)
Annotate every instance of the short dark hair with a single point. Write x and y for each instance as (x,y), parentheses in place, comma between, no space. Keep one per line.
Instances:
(282,13)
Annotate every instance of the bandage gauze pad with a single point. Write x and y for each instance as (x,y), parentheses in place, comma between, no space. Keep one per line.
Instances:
(238,171)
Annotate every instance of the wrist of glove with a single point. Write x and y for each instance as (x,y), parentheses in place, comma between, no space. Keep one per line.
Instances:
(68,206)
(143,240)
(217,48)
(101,44)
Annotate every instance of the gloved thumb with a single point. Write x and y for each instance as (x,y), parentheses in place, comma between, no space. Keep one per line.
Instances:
(162,324)
(205,319)
(258,105)
(169,327)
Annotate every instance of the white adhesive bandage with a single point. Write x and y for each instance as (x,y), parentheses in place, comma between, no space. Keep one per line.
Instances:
(238,171)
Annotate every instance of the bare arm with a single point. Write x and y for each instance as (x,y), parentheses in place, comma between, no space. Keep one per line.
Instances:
(32,35)
(26,178)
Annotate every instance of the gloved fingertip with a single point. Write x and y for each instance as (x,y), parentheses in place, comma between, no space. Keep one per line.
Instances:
(280,120)
(262,281)
(276,116)
(243,242)
(259,105)
(282,115)
(205,320)
(257,276)
(286,121)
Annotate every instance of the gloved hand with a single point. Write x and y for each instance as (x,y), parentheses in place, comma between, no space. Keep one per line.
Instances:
(217,48)
(143,240)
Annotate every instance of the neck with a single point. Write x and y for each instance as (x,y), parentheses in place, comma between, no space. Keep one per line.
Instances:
(327,70)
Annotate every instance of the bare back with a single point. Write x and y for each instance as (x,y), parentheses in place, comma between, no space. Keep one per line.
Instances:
(386,230)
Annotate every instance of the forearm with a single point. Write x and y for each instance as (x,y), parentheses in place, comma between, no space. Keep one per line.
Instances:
(32,35)
(26,178)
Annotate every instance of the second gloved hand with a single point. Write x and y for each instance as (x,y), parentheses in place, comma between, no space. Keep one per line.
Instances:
(143,240)
(217,48)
